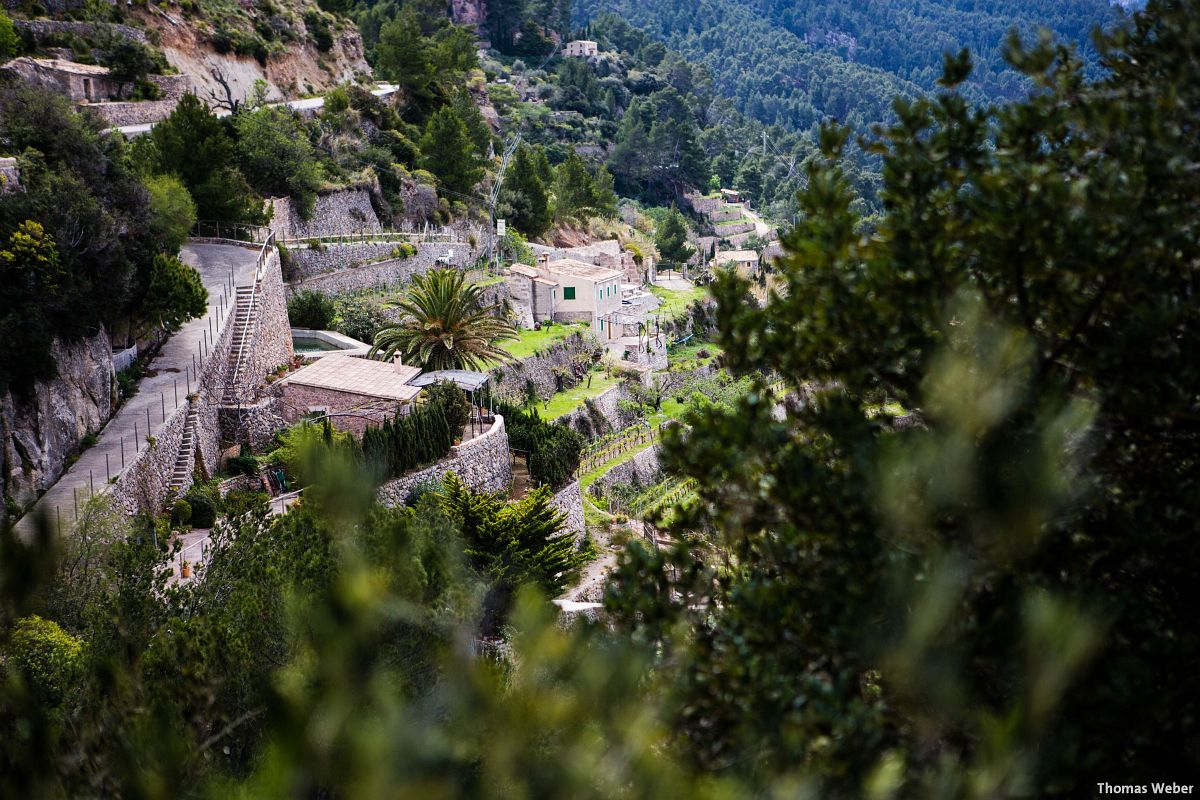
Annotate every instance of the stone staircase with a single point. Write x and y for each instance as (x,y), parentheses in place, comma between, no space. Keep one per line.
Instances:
(244,315)
(187,445)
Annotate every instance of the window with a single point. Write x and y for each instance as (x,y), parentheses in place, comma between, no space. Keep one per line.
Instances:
(568,293)
(601,324)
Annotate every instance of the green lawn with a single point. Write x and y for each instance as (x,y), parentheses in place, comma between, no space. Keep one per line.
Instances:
(688,356)
(674,302)
(566,402)
(533,341)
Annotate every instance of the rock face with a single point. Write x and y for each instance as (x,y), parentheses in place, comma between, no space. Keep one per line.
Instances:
(40,431)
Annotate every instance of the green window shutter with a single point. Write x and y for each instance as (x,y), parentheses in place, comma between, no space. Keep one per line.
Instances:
(601,324)
(568,293)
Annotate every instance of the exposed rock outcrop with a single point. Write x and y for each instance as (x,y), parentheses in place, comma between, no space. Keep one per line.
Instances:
(41,431)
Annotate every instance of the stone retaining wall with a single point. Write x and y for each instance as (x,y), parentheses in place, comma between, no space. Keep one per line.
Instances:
(386,273)
(338,213)
(569,500)
(307,262)
(272,344)
(717,217)
(484,464)
(142,485)
(725,231)
(509,381)
(606,406)
(644,467)
(704,205)
(41,28)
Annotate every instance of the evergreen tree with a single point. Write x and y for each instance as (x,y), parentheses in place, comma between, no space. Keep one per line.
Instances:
(671,238)
(448,152)
(524,196)
(472,117)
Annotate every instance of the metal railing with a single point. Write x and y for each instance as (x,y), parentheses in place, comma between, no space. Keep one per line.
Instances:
(234,231)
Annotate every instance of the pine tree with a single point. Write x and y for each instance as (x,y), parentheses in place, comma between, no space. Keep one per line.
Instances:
(524,195)
(448,152)
(671,238)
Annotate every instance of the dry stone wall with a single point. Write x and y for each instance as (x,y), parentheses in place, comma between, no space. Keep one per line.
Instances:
(39,29)
(307,262)
(510,381)
(733,229)
(339,213)
(643,469)
(484,464)
(569,501)
(272,344)
(142,486)
(38,434)
(387,273)
(602,414)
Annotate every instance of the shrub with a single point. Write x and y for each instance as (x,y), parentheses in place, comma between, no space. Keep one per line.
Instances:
(239,502)
(181,512)
(406,442)
(310,309)
(554,450)
(244,463)
(453,403)
(204,511)
(47,657)
(358,318)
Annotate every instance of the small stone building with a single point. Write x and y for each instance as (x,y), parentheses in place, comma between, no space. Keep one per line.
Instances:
(744,261)
(532,295)
(580,48)
(85,83)
(353,393)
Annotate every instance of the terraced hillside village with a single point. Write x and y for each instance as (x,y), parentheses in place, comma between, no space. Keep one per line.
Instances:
(518,398)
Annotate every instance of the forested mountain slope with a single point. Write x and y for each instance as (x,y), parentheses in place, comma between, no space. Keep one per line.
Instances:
(796,62)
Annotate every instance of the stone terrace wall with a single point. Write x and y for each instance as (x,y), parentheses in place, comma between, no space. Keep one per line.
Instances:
(607,407)
(733,229)
(41,28)
(272,345)
(569,500)
(386,273)
(509,380)
(484,464)
(717,217)
(142,485)
(307,262)
(644,466)
(338,213)
(705,205)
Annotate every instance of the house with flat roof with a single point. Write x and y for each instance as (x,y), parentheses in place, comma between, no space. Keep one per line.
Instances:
(352,393)
(580,48)
(87,83)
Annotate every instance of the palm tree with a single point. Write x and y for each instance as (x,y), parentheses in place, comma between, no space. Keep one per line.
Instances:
(444,326)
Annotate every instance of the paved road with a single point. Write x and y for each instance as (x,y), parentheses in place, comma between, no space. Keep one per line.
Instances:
(306,104)
(165,386)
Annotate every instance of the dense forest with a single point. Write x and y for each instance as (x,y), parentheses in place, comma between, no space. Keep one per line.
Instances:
(798,63)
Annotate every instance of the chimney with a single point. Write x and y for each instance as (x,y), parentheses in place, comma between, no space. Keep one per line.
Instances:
(396,362)
(543,260)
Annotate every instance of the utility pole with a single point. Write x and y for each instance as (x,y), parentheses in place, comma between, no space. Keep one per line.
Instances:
(494,197)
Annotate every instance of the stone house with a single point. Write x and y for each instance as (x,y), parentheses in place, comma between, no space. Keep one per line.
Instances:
(744,261)
(85,83)
(580,48)
(532,295)
(353,393)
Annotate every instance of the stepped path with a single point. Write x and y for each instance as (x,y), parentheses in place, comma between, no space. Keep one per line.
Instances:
(222,268)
